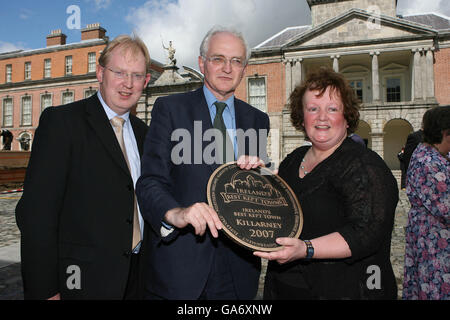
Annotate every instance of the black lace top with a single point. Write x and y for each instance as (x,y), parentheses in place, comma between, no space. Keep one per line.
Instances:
(354,193)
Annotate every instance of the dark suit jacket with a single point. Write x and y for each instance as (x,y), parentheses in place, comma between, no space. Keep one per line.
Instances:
(77,205)
(178,265)
(411,143)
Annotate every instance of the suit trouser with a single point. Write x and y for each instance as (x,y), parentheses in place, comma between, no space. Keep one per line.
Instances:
(132,291)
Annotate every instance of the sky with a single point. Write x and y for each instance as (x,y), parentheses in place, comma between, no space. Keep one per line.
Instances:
(24,24)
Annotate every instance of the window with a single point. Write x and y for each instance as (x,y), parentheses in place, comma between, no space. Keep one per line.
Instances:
(46,101)
(357,86)
(67,97)
(28,70)
(91,62)
(26,111)
(257,93)
(68,65)
(47,68)
(393,93)
(89,92)
(8,73)
(7,112)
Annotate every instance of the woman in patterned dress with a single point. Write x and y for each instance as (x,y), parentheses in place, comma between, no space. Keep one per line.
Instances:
(427,257)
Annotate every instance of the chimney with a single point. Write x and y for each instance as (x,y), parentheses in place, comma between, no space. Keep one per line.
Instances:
(93,31)
(55,38)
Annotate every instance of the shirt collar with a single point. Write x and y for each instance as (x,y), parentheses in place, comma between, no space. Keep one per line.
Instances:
(109,112)
(210,99)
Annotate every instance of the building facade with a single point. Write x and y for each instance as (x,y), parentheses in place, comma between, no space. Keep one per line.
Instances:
(60,73)
(398,67)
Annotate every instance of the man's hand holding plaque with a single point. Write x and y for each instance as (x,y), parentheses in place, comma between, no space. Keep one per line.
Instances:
(254,205)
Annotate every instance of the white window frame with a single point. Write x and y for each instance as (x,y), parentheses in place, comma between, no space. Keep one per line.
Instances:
(92,61)
(68,65)
(4,110)
(66,92)
(47,68)
(23,114)
(27,74)
(249,97)
(41,100)
(94,90)
(8,73)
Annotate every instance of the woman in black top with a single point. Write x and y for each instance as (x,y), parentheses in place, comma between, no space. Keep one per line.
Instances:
(348,197)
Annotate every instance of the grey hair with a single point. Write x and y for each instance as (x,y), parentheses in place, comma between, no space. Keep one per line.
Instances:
(204,46)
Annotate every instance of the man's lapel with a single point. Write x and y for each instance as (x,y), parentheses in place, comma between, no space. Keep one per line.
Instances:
(99,123)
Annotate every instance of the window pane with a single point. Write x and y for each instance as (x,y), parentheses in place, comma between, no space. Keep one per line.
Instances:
(393,90)
(47,68)
(91,62)
(27,70)
(88,93)
(357,86)
(46,101)
(7,112)
(257,93)
(8,73)
(67,97)
(69,65)
(26,111)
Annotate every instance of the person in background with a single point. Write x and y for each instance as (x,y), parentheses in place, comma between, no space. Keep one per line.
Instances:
(401,159)
(427,249)
(348,197)
(81,229)
(412,141)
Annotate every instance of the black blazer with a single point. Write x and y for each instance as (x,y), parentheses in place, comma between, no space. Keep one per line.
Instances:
(411,143)
(77,205)
(178,265)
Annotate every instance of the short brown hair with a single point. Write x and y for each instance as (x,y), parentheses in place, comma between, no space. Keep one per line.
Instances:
(133,43)
(436,121)
(320,81)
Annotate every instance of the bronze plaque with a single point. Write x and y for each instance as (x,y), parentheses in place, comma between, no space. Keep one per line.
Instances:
(254,206)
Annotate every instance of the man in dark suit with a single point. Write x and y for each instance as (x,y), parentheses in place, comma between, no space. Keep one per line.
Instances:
(188,258)
(411,143)
(80,227)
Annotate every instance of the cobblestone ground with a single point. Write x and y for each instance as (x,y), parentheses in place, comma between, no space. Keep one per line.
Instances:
(11,282)
(10,278)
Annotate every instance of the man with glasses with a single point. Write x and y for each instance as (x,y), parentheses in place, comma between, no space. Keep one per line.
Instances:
(81,228)
(189,258)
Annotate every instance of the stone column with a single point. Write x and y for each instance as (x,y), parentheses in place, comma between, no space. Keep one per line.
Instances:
(417,77)
(378,143)
(288,77)
(335,62)
(297,72)
(375,77)
(430,73)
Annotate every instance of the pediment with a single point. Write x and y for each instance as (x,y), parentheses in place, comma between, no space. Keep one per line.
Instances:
(359,26)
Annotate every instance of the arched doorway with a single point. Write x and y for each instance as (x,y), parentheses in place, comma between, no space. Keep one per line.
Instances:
(395,134)
(363,131)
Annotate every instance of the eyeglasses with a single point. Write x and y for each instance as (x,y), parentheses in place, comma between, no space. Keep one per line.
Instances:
(220,61)
(124,75)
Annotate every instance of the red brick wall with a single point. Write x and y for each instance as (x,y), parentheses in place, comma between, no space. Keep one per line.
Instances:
(274,74)
(442,76)
(58,63)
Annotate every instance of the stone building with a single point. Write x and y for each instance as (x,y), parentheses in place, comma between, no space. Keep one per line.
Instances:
(398,66)
(60,73)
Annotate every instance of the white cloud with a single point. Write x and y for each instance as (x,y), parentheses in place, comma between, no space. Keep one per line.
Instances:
(8,47)
(408,7)
(185,22)
(100,4)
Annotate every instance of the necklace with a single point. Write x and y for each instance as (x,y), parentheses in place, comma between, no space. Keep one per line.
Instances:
(302,167)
